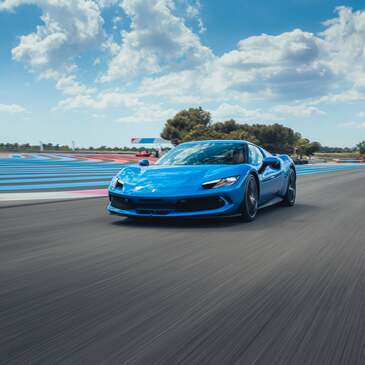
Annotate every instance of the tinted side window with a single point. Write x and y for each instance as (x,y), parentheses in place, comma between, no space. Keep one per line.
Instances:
(254,155)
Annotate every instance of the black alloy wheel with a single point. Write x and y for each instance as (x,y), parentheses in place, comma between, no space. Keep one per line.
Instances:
(251,200)
(289,198)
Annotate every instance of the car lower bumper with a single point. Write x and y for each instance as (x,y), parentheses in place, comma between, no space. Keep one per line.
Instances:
(184,206)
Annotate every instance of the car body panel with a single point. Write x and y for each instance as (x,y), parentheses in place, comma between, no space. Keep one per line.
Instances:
(168,185)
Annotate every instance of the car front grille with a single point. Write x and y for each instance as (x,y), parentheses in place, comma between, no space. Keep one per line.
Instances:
(164,206)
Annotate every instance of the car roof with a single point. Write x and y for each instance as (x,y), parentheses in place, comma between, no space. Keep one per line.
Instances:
(234,141)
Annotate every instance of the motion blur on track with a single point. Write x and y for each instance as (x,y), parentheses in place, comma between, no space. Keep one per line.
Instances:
(78,286)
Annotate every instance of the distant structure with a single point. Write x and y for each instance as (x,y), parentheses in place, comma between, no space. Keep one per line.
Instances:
(73,146)
(155,141)
(148,140)
(41,149)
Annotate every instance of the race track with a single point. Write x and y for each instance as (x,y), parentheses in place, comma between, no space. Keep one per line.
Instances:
(78,286)
(48,176)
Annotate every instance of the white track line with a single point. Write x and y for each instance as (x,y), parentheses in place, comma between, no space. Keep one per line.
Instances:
(54,195)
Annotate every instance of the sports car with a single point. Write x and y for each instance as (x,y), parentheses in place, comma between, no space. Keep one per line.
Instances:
(205,178)
(143,154)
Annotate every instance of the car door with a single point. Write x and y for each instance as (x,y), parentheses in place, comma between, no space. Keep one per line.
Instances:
(269,178)
(255,158)
(272,178)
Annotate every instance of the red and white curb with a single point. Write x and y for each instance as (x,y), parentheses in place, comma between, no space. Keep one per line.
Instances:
(54,195)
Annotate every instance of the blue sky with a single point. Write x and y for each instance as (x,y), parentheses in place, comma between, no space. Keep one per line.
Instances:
(100,72)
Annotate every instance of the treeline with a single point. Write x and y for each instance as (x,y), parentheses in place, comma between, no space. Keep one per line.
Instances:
(196,124)
(50,147)
(115,149)
(327,149)
(27,147)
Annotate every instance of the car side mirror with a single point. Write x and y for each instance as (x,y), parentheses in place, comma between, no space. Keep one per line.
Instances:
(144,163)
(270,161)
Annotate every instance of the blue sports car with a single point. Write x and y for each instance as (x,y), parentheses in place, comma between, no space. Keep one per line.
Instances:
(205,178)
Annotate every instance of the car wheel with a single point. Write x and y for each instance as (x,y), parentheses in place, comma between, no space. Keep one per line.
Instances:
(291,192)
(250,200)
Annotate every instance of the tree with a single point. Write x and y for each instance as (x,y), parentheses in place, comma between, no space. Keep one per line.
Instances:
(228,126)
(275,138)
(195,124)
(306,148)
(361,147)
(184,122)
(301,147)
(313,148)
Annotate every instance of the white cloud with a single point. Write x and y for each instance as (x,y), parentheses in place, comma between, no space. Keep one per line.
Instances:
(159,56)
(11,108)
(181,87)
(158,41)
(193,12)
(298,110)
(361,115)
(344,38)
(357,125)
(286,66)
(350,95)
(237,112)
(67,83)
(106,3)
(287,49)
(148,114)
(293,66)
(104,100)
(70,26)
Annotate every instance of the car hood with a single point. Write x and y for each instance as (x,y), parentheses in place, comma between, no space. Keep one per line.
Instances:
(177,180)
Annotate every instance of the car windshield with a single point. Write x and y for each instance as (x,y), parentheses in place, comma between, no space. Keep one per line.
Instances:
(205,154)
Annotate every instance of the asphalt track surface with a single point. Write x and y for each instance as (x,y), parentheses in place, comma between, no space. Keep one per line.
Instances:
(78,286)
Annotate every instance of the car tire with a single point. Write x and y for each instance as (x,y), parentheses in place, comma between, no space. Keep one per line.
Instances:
(250,200)
(291,191)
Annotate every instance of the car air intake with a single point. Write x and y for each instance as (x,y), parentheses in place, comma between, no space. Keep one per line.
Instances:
(165,206)
(196,204)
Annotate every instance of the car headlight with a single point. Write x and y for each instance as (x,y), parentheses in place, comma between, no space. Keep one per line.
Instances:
(116,183)
(220,182)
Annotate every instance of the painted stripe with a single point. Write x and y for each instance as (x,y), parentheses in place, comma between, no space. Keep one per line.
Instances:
(54,195)
(311,171)
(80,178)
(4,171)
(336,167)
(60,167)
(55,186)
(45,175)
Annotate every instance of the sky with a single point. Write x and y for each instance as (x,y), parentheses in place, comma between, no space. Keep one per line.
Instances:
(99,72)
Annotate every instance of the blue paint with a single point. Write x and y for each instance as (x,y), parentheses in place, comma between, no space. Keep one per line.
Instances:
(187,186)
